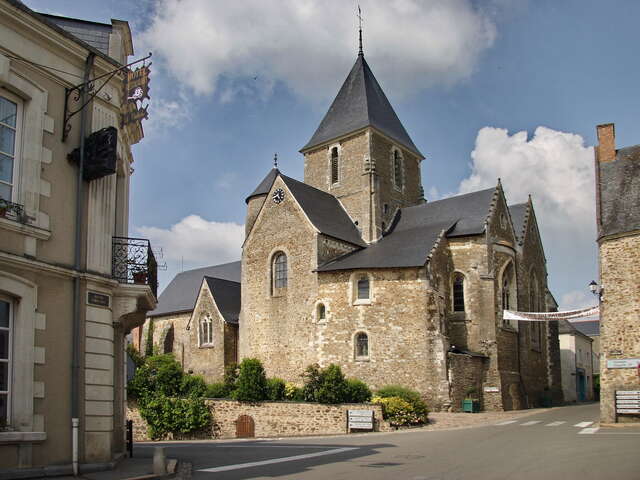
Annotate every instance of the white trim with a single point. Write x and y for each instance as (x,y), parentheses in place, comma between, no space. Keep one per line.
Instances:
(353,288)
(9,359)
(17,145)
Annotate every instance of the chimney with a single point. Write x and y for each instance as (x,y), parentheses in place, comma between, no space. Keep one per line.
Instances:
(606,149)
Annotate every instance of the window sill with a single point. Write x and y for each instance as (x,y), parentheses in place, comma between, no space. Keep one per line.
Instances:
(362,302)
(362,359)
(29,230)
(7,438)
(206,345)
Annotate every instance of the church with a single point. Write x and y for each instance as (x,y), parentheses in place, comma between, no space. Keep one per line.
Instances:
(353,266)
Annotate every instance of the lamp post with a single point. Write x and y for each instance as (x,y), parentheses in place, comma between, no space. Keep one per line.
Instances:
(596,289)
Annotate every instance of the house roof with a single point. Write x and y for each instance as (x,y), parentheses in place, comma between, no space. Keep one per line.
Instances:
(93,33)
(181,294)
(416,231)
(361,103)
(518,214)
(591,328)
(566,327)
(227,297)
(324,211)
(620,192)
(265,185)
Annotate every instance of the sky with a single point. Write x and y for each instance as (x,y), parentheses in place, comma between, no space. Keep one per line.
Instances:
(487,89)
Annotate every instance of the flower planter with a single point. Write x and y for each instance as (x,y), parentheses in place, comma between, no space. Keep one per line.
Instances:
(470,406)
(139,277)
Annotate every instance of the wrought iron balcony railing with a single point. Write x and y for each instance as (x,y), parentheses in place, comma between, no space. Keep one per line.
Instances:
(13,211)
(133,262)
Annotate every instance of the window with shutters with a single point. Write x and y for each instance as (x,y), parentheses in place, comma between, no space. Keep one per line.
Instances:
(335,166)
(458,292)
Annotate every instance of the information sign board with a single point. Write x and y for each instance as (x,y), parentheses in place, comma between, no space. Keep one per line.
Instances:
(628,401)
(360,419)
(623,363)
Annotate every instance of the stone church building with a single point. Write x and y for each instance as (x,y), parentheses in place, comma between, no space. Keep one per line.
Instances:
(352,266)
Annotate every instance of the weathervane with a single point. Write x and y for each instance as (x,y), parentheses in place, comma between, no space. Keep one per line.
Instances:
(275,160)
(360,29)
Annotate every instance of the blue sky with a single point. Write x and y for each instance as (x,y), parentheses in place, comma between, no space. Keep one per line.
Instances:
(232,84)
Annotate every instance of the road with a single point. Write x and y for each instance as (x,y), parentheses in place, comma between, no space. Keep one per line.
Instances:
(561,443)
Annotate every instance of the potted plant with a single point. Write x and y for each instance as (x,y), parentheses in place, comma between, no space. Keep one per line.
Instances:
(139,274)
(471,402)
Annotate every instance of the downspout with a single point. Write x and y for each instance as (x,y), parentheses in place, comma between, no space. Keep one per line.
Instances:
(77,301)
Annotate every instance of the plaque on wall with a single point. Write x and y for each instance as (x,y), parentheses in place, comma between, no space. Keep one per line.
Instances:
(98,299)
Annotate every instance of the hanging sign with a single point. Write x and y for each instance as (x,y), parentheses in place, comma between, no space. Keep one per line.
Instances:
(136,89)
(550,316)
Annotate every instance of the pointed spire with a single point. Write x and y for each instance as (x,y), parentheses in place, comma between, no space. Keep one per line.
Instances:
(360,52)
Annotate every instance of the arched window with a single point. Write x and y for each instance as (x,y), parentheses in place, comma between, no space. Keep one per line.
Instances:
(322,312)
(397,170)
(206,331)
(363,288)
(361,345)
(335,166)
(508,291)
(168,341)
(280,270)
(458,292)
(534,306)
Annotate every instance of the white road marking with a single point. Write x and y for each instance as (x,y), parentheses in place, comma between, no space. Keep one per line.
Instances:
(583,424)
(508,422)
(532,422)
(238,466)
(589,430)
(555,424)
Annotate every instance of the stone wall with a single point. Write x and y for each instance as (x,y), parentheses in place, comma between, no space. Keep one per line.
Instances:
(272,419)
(620,317)
(466,373)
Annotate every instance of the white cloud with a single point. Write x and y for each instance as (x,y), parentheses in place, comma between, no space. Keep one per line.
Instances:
(576,299)
(556,168)
(309,44)
(194,242)
(165,114)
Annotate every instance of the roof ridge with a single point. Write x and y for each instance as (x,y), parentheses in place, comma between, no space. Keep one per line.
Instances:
(221,279)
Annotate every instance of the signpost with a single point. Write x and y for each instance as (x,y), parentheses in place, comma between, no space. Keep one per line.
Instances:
(627,402)
(623,363)
(360,419)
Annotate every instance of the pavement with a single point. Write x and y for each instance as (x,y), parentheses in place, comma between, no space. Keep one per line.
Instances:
(562,443)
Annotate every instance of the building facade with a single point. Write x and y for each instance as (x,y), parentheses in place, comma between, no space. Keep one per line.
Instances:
(67,291)
(618,221)
(576,356)
(353,267)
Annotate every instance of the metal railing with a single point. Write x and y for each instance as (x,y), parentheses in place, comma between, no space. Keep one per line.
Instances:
(13,211)
(133,261)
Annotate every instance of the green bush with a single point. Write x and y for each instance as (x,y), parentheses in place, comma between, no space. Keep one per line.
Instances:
(231,373)
(160,374)
(293,392)
(136,356)
(397,411)
(193,386)
(326,385)
(217,390)
(174,415)
(148,351)
(410,396)
(275,389)
(251,385)
(357,391)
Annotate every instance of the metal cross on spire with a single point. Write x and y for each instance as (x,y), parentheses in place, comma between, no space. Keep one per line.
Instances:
(360,52)
(275,160)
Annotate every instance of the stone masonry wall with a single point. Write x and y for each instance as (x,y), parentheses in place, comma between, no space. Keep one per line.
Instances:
(272,419)
(620,314)
(466,373)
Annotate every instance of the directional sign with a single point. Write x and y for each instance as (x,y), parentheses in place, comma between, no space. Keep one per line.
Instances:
(628,410)
(623,363)
(360,419)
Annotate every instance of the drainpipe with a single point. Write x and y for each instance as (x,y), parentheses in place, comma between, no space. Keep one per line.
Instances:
(77,301)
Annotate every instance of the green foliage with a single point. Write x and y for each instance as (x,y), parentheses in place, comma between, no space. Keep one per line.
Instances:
(174,415)
(275,389)
(293,392)
(148,351)
(357,391)
(326,385)
(193,386)
(217,390)
(231,373)
(135,355)
(397,411)
(160,374)
(251,385)
(410,396)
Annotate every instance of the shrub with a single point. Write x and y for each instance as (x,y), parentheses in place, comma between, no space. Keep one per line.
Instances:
(410,396)
(148,351)
(193,386)
(177,415)
(251,385)
(231,372)
(160,374)
(275,389)
(217,390)
(136,356)
(324,385)
(357,391)
(397,411)
(293,392)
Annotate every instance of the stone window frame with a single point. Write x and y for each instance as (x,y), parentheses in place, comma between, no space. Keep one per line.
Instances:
(534,306)
(316,311)
(454,275)
(400,157)
(17,147)
(205,320)
(9,360)
(356,335)
(353,281)
(338,148)
(512,293)
(274,291)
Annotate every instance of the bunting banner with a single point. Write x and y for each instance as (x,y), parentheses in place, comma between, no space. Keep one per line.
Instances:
(550,316)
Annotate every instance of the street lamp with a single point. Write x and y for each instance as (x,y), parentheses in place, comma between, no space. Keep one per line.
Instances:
(596,289)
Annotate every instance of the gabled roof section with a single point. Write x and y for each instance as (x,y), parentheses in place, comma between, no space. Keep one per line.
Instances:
(417,230)
(620,192)
(226,294)
(590,328)
(361,103)
(519,216)
(181,294)
(93,33)
(265,185)
(324,211)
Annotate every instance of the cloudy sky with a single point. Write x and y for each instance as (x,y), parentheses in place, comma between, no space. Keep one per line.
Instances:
(486,88)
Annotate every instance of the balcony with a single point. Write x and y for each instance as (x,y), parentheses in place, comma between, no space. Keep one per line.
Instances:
(13,211)
(133,262)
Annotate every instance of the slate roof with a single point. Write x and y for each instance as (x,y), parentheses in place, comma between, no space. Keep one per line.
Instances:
(620,192)
(565,327)
(361,103)
(324,211)
(416,231)
(92,33)
(518,214)
(591,328)
(181,294)
(265,185)
(227,297)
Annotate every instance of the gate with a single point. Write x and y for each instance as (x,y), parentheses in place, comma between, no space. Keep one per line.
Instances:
(245,427)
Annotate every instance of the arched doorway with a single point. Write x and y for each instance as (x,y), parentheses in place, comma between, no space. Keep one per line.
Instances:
(245,427)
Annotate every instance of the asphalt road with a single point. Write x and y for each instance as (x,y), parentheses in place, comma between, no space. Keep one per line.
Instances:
(560,443)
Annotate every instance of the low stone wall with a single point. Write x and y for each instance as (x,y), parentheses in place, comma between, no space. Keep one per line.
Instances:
(271,419)
(465,372)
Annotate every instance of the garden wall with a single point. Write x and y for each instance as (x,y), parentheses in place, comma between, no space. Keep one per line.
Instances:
(271,419)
